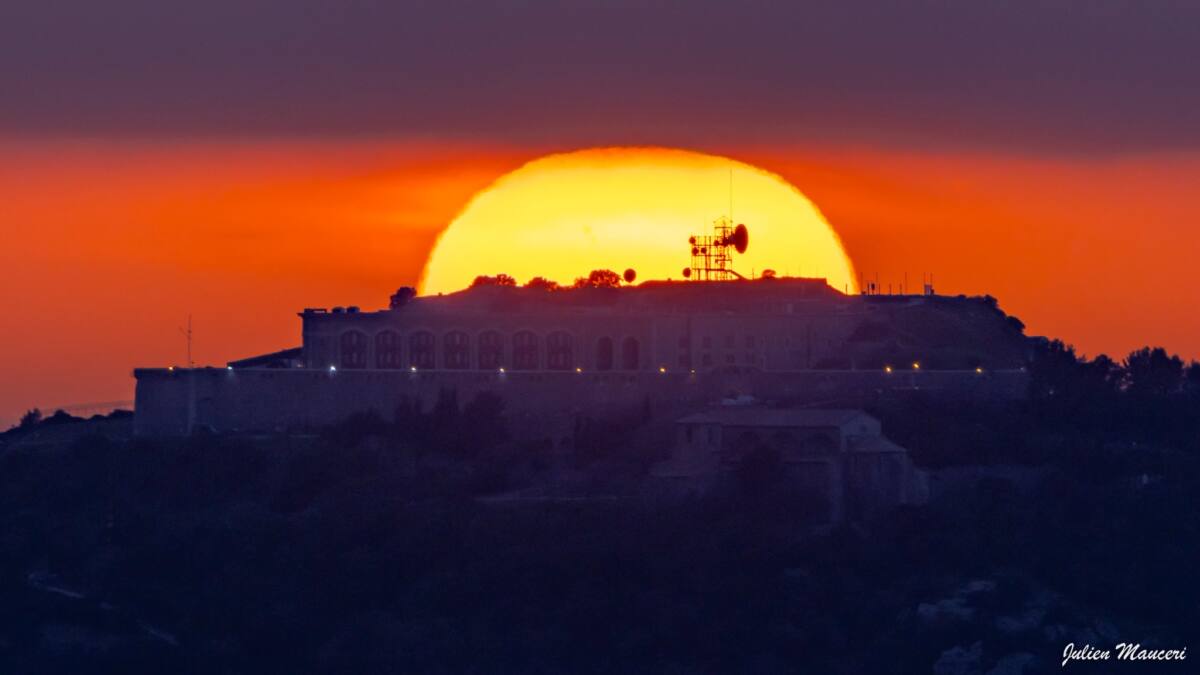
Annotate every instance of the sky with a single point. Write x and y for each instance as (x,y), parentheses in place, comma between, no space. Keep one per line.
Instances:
(239,161)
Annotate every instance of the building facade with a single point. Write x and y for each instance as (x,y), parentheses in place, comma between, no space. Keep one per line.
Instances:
(838,457)
(556,355)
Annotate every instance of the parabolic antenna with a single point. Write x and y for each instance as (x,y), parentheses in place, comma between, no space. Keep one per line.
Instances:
(711,258)
(740,238)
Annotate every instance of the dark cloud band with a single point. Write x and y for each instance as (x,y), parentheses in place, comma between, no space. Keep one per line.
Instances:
(1091,76)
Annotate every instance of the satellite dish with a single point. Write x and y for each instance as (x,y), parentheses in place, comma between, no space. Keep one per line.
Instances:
(711,257)
(740,238)
(630,275)
(687,272)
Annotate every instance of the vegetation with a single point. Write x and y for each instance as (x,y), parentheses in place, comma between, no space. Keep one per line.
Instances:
(1077,412)
(30,418)
(542,283)
(402,296)
(498,280)
(599,279)
(395,545)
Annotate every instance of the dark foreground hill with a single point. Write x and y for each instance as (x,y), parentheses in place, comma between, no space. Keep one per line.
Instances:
(376,549)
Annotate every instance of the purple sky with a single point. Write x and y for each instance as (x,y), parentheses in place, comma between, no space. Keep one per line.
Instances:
(1043,78)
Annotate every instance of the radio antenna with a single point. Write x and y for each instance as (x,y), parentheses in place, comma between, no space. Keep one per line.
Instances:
(188,334)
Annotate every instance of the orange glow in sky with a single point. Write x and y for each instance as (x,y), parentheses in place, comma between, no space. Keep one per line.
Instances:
(563,215)
(108,247)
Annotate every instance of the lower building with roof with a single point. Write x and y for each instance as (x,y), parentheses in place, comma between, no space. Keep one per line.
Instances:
(839,457)
(556,356)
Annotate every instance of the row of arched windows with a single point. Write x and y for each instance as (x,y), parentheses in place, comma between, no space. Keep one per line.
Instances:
(422,349)
(629,354)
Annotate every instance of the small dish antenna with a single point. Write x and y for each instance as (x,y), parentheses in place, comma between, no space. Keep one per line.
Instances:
(712,256)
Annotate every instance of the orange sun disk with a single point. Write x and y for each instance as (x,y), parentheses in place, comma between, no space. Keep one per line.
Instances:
(563,215)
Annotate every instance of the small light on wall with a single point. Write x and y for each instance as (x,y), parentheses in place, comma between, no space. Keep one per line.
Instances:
(579,370)
(501,371)
(413,368)
(916,365)
(887,369)
(979,370)
(171,368)
(332,369)
(228,367)
(662,369)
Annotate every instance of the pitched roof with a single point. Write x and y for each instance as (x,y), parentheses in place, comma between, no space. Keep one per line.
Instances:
(266,360)
(873,444)
(774,417)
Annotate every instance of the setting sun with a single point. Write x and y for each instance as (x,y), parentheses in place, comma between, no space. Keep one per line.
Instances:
(563,215)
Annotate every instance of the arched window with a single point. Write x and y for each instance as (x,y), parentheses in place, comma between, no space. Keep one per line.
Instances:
(353,349)
(387,349)
(525,351)
(454,352)
(559,355)
(491,350)
(784,441)
(604,354)
(420,350)
(629,354)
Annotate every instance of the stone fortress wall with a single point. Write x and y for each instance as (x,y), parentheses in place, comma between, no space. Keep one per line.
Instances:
(538,404)
(557,356)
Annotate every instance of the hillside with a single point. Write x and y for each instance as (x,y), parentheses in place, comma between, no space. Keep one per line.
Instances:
(378,547)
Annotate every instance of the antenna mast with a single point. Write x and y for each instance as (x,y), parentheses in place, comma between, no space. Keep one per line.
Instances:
(188,334)
(712,256)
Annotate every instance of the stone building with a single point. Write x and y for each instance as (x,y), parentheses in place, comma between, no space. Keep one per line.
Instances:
(781,325)
(558,355)
(771,325)
(839,457)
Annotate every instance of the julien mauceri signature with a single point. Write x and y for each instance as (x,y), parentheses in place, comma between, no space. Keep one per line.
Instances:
(1123,651)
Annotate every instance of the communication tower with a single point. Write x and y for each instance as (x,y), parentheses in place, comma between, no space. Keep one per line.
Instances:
(712,255)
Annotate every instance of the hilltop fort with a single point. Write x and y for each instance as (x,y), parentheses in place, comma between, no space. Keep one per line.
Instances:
(663,348)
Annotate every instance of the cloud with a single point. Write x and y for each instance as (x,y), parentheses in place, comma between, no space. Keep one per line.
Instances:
(1074,77)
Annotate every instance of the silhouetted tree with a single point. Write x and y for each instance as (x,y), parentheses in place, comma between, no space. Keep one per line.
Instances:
(353,430)
(1101,374)
(1192,377)
(1153,373)
(445,410)
(446,431)
(401,297)
(768,273)
(1067,388)
(542,283)
(498,280)
(60,417)
(410,421)
(599,279)
(1053,369)
(483,421)
(31,418)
